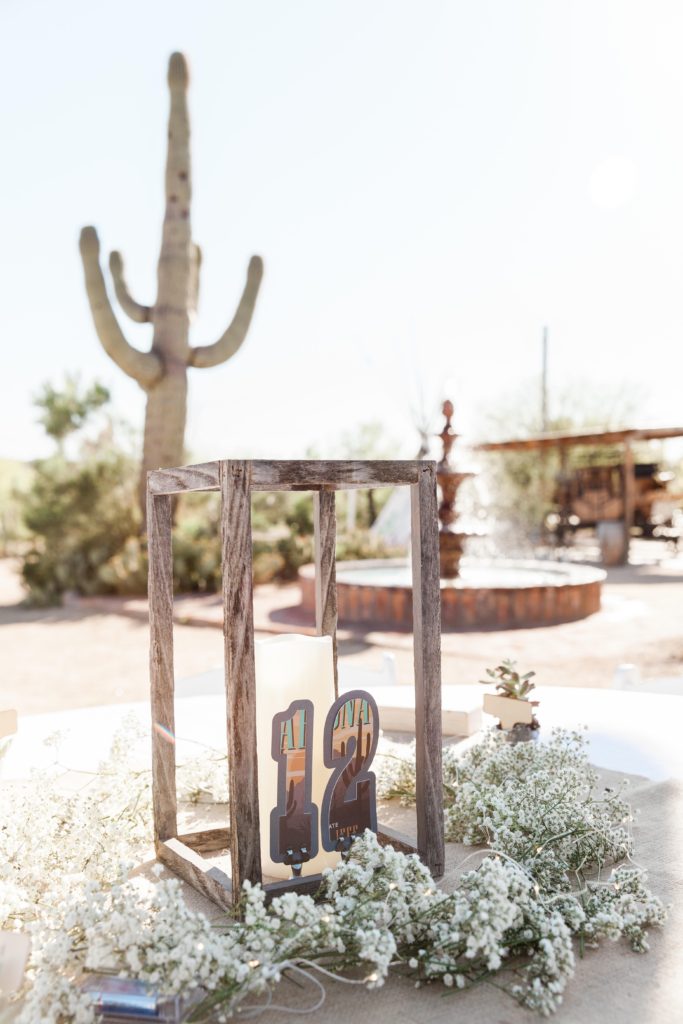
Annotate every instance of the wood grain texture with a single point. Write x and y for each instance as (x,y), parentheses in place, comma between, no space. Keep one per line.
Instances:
(188,865)
(341,474)
(160,584)
(301,475)
(325,530)
(240,673)
(207,840)
(399,840)
(309,884)
(427,655)
(202,477)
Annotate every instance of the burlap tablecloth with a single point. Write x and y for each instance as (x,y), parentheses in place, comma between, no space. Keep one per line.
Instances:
(612,984)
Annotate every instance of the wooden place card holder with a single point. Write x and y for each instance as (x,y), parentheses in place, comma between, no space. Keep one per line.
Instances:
(236,479)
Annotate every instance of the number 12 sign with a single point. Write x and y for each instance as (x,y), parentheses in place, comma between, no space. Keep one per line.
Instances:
(349,806)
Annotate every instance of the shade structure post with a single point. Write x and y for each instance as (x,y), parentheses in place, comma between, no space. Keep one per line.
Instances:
(629,485)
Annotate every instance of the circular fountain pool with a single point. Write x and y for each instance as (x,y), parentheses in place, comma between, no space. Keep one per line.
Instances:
(501,594)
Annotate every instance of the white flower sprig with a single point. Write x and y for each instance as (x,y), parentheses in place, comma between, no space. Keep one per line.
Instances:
(540,805)
(378,911)
(65,857)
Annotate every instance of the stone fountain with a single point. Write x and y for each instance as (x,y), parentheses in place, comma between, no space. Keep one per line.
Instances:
(497,593)
(451,540)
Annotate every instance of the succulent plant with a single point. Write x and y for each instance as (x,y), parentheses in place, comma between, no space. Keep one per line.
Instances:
(509,683)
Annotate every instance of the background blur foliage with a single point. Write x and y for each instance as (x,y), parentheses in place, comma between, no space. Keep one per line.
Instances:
(83,525)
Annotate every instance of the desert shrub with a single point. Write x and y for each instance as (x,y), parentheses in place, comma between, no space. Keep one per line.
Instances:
(268,564)
(15,480)
(363,544)
(299,516)
(80,515)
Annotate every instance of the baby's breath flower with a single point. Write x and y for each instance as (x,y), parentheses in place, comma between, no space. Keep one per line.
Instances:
(65,861)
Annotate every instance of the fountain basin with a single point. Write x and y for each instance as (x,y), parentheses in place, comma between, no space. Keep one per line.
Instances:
(500,594)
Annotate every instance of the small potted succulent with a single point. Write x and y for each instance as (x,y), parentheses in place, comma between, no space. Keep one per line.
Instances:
(511,704)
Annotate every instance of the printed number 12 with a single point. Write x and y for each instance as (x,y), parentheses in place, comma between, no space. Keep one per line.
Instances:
(350,738)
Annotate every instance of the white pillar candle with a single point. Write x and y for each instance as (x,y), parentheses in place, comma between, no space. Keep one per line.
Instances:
(292,668)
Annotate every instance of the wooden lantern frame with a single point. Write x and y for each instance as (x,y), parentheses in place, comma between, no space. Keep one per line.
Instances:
(236,479)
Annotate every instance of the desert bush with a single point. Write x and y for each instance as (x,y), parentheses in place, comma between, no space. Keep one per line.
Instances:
(81,513)
(362,544)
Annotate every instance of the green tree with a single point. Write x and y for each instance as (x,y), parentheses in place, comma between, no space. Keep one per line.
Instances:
(80,511)
(65,410)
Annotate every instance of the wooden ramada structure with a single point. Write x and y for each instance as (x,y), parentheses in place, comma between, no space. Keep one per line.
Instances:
(564,441)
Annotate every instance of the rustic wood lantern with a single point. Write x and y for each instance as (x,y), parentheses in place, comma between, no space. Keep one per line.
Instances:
(236,479)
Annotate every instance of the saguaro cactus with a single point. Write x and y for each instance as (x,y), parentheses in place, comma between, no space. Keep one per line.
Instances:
(162,372)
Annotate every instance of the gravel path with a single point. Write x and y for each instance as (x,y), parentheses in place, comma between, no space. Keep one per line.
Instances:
(75,656)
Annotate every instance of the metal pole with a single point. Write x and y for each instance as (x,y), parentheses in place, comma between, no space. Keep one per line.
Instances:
(544,383)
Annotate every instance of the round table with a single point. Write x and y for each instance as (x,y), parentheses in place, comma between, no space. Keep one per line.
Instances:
(633,732)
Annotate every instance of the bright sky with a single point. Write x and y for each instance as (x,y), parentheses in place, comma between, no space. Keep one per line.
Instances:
(428,183)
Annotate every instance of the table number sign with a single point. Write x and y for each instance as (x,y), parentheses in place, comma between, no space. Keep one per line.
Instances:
(294,822)
(316,789)
(350,740)
(299,755)
(294,682)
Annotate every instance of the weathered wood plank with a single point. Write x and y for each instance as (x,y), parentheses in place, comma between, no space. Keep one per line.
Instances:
(338,474)
(160,584)
(399,840)
(209,880)
(207,840)
(580,437)
(288,475)
(202,477)
(240,673)
(325,528)
(308,884)
(427,656)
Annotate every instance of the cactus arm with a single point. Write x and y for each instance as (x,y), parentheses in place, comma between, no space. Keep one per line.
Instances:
(144,367)
(135,310)
(212,355)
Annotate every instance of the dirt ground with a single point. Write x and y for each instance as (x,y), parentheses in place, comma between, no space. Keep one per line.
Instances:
(96,652)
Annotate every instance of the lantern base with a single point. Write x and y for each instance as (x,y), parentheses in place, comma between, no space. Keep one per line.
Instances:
(183,855)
